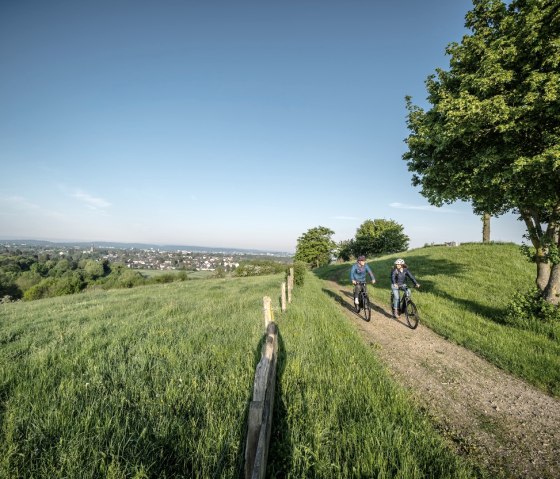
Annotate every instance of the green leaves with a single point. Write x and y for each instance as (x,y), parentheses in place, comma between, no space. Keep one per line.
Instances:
(492,134)
(380,236)
(499,101)
(315,247)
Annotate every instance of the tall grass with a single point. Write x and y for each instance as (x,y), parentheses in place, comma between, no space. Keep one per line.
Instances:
(146,382)
(154,382)
(464,294)
(336,414)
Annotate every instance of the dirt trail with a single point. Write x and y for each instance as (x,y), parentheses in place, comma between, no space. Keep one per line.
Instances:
(504,424)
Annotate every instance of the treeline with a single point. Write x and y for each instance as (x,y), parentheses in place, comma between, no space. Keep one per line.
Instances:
(34,277)
(30,277)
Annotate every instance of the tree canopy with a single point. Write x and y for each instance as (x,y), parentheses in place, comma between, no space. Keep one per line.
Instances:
(492,134)
(380,236)
(315,247)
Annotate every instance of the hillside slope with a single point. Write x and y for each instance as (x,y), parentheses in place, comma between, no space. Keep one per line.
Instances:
(463,297)
(156,382)
(505,424)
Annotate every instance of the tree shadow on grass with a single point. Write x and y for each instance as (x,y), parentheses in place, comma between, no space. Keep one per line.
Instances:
(492,313)
(339,298)
(423,265)
(420,266)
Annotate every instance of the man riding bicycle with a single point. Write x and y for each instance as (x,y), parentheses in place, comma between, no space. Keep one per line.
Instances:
(358,275)
(398,279)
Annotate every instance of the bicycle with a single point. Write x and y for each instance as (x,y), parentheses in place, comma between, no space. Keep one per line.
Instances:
(364,303)
(407,306)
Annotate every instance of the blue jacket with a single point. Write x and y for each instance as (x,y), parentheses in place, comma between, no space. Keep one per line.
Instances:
(399,277)
(358,273)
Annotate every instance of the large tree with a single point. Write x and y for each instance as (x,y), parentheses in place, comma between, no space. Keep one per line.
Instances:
(380,236)
(492,134)
(315,247)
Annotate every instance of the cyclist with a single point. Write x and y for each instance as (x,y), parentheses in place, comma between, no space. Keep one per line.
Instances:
(358,275)
(398,279)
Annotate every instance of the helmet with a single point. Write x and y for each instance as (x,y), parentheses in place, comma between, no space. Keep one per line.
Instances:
(399,261)
(361,258)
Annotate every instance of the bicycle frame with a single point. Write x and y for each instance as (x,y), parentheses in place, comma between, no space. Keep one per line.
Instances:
(407,306)
(405,297)
(362,292)
(363,301)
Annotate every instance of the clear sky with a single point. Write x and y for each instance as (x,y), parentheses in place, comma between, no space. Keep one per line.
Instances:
(219,123)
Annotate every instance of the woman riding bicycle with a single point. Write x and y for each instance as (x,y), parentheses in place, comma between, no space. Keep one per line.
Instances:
(398,280)
(358,275)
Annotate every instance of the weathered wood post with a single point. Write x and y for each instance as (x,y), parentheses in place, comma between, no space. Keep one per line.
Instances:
(261,407)
(290,284)
(267,308)
(283,296)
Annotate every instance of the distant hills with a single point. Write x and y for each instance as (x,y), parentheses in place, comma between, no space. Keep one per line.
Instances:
(143,246)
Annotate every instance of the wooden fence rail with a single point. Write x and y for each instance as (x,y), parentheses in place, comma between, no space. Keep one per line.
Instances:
(259,424)
(261,407)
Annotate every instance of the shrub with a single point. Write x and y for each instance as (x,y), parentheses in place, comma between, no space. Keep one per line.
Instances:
(68,284)
(162,278)
(531,312)
(300,270)
(129,279)
(258,268)
(28,279)
(40,290)
(8,287)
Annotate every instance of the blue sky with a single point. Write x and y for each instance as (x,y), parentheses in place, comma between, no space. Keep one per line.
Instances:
(236,124)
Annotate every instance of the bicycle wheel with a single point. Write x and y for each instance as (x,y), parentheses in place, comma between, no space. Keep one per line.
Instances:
(357,306)
(367,308)
(411,313)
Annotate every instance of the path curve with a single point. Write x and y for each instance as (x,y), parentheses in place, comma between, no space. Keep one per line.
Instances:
(509,427)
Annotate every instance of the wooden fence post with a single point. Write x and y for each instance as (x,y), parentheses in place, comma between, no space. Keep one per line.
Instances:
(283,296)
(261,407)
(267,308)
(290,284)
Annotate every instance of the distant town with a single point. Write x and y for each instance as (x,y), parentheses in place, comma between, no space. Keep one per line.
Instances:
(145,257)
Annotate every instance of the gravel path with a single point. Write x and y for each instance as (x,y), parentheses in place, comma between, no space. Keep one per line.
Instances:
(510,428)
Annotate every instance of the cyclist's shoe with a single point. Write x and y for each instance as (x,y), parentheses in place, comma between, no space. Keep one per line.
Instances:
(395,312)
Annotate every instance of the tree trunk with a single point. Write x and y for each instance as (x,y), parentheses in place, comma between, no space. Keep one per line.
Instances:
(552,290)
(537,237)
(543,271)
(486,228)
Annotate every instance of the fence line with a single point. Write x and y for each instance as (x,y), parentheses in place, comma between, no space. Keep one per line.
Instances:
(261,407)
(290,284)
(259,424)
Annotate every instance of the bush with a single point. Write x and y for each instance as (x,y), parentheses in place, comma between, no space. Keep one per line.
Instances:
(531,312)
(68,284)
(8,287)
(300,270)
(129,279)
(258,268)
(40,290)
(168,278)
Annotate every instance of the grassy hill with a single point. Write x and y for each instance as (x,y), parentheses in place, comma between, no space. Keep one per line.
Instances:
(155,381)
(464,294)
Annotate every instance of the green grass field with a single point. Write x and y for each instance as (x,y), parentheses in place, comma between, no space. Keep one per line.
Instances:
(463,297)
(146,382)
(337,413)
(155,382)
